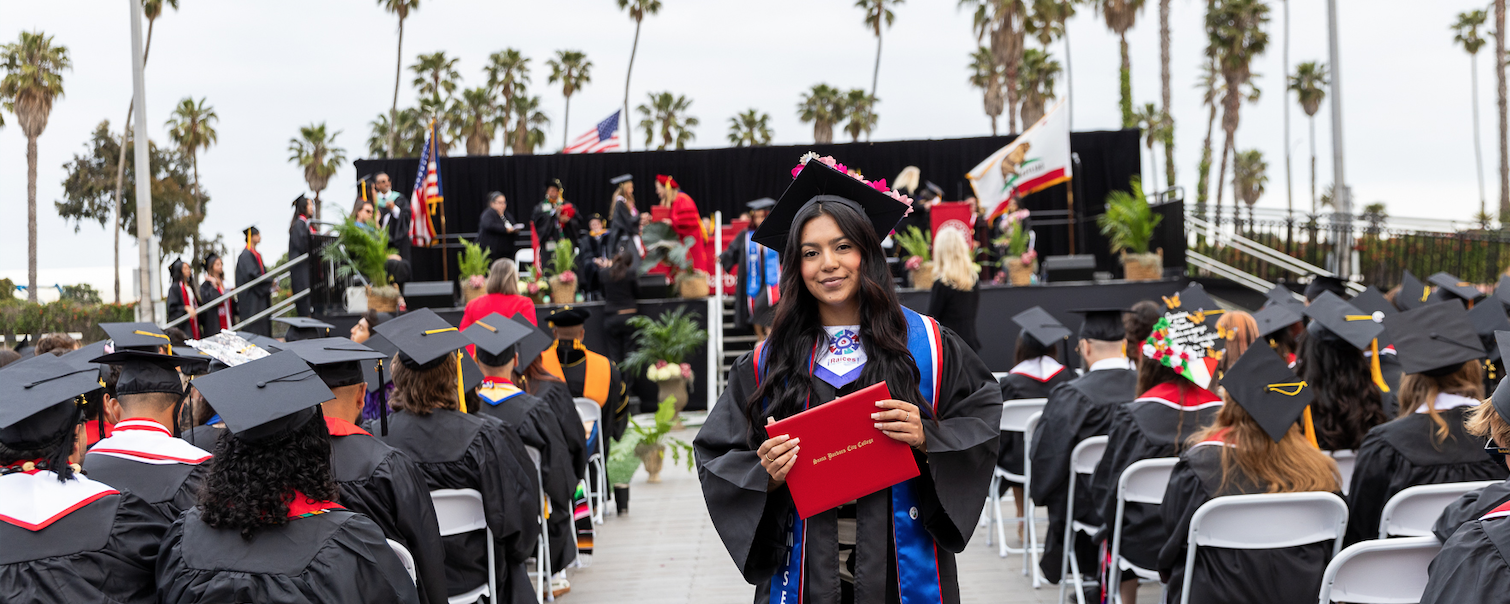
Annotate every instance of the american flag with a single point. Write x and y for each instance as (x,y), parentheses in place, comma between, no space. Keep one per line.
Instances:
(603,137)
(427,194)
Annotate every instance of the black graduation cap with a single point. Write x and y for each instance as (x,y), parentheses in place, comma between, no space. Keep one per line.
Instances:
(146,372)
(1282,295)
(83,356)
(1502,290)
(1412,292)
(495,336)
(175,270)
(820,182)
(553,182)
(1373,303)
(534,343)
(568,317)
(423,338)
(261,341)
(1435,339)
(1334,317)
(338,361)
(1038,324)
(1488,317)
(764,203)
(1275,317)
(1501,396)
(1449,284)
(1322,283)
(138,336)
(251,230)
(471,374)
(1264,386)
(266,397)
(1103,324)
(209,260)
(298,200)
(937,191)
(38,395)
(194,362)
(304,328)
(370,370)
(621,179)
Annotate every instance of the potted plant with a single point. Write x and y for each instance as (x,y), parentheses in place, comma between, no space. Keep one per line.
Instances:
(1128,225)
(650,443)
(662,246)
(1018,262)
(621,466)
(364,251)
(473,263)
(919,248)
(661,347)
(532,286)
(564,282)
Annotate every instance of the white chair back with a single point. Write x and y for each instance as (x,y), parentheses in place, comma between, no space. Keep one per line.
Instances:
(1087,454)
(588,410)
(1028,427)
(1411,512)
(997,375)
(405,557)
(1144,481)
(1267,521)
(1345,459)
(458,511)
(1015,413)
(523,257)
(1381,571)
(597,483)
(534,456)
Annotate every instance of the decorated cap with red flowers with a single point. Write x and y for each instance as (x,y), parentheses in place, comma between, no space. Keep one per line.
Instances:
(827,180)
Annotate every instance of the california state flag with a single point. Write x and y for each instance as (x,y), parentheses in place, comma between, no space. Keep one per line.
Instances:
(1037,160)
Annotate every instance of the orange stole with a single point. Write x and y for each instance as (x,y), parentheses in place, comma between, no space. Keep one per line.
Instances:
(595,382)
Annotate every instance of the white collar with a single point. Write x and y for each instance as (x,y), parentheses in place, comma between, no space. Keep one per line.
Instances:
(1042,368)
(1446,401)
(1111,363)
(35,500)
(149,442)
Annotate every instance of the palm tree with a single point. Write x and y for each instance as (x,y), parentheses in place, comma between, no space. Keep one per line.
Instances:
(529,121)
(1237,36)
(1037,83)
(33,79)
(1164,92)
(315,152)
(572,69)
(751,128)
(985,74)
(478,119)
(152,9)
(1005,22)
(1211,91)
(508,72)
(1249,178)
(409,134)
(823,105)
(402,8)
(435,77)
(1048,22)
(667,114)
(1466,33)
(1153,122)
(1120,16)
(637,11)
(877,14)
(859,109)
(1309,83)
(192,128)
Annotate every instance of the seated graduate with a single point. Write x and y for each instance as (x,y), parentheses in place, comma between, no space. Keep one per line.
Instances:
(1428,443)
(587,373)
(893,545)
(1371,302)
(1350,391)
(1471,567)
(498,340)
(1489,316)
(530,372)
(1170,407)
(375,480)
(1277,324)
(1138,323)
(66,538)
(1074,412)
(1036,372)
(304,328)
(268,527)
(142,455)
(457,450)
(1254,447)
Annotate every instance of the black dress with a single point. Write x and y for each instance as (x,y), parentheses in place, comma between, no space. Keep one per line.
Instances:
(1074,412)
(1402,454)
(298,276)
(956,310)
(1472,567)
(1033,378)
(257,298)
(493,235)
(1228,576)
(537,427)
(1471,506)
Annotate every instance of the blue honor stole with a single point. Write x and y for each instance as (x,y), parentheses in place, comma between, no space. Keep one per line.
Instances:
(762,270)
(916,553)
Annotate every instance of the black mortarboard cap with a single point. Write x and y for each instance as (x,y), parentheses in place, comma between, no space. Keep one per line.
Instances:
(138,336)
(1263,385)
(422,338)
(1412,292)
(83,356)
(471,374)
(1275,317)
(568,317)
(1373,303)
(251,230)
(1038,324)
(1337,318)
(1435,339)
(764,203)
(534,343)
(297,200)
(553,182)
(146,372)
(1103,324)
(1192,299)
(370,369)
(1501,396)
(1449,284)
(1322,283)
(1282,295)
(195,363)
(38,395)
(819,182)
(266,397)
(304,328)
(1488,317)
(621,179)
(495,336)
(175,268)
(338,361)
(1502,289)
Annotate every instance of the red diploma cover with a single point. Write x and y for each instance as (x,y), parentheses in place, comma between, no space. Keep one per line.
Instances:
(844,457)
(659,213)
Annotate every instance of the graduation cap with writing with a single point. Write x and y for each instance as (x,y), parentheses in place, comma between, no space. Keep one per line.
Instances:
(1275,317)
(495,336)
(423,338)
(304,328)
(764,203)
(1104,324)
(1322,283)
(1435,339)
(1488,317)
(534,343)
(136,336)
(1412,292)
(266,397)
(621,179)
(1373,303)
(1264,386)
(1449,286)
(338,361)
(1192,299)
(146,372)
(820,182)
(261,341)
(1038,325)
(39,399)
(568,317)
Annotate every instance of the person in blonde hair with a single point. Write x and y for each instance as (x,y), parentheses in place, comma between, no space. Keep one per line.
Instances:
(956,292)
(502,297)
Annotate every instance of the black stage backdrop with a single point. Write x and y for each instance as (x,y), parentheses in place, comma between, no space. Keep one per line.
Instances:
(724,179)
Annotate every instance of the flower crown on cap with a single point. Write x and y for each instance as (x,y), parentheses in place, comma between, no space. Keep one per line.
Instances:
(879,185)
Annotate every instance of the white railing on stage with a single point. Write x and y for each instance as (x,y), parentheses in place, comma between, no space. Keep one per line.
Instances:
(272,310)
(715,314)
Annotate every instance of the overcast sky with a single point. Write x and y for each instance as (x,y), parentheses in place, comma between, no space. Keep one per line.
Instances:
(269,67)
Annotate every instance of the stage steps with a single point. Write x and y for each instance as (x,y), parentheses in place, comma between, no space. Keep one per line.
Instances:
(736,342)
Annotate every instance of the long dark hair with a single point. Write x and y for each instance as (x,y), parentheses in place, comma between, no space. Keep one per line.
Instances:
(251,483)
(301,208)
(622,262)
(1348,403)
(55,449)
(1029,348)
(796,329)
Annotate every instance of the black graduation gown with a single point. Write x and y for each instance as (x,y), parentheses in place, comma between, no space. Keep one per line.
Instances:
(537,427)
(731,258)
(564,410)
(178,306)
(204,436)
(104,551)
(616,410)
(255,299)
(956,310)
(1227,576)
(1074,412)
(382,484)
(1402,454)
(337,556)
(462,451)
(493,235)
(622,226)
(589,248)
(209,318)
(1016,386)
(169,488)
(550,230)
(1146,428)
(956,473)
(298,276)
(1470,506)
(1472,568)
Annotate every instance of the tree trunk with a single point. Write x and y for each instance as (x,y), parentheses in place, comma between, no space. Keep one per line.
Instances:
(1165,92)
(521,137)
(1499,76)
(566,123)
(1478,147)
(1126,100)
(875,75)
(31,219)
(1221,177)
(632,50)
(198,202)
(993,125)
(1153,168)
(1289,189)
(398,73)
(1201,187)
(1314,209)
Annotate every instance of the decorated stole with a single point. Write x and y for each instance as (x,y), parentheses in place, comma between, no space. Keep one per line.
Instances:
(916,553)
(594,382)
(761,262)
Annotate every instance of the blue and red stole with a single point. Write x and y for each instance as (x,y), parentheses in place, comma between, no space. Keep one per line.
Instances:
(762,270)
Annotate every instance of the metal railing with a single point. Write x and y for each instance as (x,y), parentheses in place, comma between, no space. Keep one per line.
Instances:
(272,274)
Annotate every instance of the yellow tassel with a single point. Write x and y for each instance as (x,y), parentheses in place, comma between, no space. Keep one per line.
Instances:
(461,389)
(1373,366)
(1310,428)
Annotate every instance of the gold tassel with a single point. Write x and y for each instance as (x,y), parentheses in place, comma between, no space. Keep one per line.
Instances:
(1310,428)
(461,389)
(1373,366)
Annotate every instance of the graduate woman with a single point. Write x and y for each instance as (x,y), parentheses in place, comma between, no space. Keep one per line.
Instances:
(1034,375)
(893,545)
(1350,391)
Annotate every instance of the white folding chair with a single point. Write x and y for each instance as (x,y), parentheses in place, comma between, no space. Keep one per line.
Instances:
(597,486)
(1345,459)
(1267,521)
(1142,482)
(1035,550)
(460,511)
(523,257)
(1014,418)
(543,545)
(1083,460)
(1380,571)
(1411,512)
(406,558)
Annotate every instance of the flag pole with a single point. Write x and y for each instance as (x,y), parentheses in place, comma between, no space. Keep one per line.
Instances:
(445,258)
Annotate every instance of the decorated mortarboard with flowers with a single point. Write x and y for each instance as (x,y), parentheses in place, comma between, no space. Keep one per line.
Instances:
(1186,339)
(823,179)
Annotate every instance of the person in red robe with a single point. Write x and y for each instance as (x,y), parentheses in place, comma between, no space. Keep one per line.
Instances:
(686,221)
